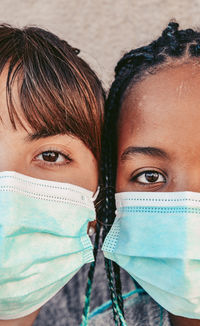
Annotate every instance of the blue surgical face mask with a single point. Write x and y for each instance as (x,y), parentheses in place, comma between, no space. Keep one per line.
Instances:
(43,240)
(156,239)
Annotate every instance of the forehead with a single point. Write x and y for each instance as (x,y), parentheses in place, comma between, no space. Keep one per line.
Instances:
(165,102)
(5,119)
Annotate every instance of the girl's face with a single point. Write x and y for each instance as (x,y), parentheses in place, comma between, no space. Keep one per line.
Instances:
(61,158)
(159,132)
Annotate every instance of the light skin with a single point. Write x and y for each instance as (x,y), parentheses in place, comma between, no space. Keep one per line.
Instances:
(61,158)
(159,137)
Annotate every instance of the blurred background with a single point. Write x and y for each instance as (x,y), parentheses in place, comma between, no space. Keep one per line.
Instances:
(102,29)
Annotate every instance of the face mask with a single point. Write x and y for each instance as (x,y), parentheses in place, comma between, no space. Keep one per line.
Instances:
(43,240)
(156,239)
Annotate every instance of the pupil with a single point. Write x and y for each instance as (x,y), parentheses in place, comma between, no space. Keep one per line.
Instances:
(151,176)
(50,156)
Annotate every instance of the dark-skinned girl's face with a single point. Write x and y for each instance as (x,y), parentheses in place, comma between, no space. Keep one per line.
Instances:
(159,132)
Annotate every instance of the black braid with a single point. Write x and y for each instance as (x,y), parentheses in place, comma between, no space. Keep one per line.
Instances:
(172,45)
(116,270)
(108,267)
(91,271)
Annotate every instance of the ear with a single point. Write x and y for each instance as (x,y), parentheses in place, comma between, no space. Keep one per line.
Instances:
(91,228)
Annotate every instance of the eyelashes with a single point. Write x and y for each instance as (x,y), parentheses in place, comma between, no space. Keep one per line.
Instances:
(149,177)
(52,157)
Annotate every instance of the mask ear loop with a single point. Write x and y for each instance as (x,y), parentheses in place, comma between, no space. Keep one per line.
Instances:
(94,197)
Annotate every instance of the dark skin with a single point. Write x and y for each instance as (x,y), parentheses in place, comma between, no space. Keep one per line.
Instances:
(159,137)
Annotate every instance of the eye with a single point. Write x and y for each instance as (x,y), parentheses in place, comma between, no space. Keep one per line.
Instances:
(51,157)
(148,177)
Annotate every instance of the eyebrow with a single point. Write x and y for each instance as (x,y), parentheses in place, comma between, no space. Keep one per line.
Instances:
(41,134)
(149,151)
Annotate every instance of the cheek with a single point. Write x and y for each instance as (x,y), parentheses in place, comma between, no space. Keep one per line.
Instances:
(84,172)
(89,175)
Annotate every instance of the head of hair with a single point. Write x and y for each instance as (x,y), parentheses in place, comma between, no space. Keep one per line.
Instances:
(173,47)
(58,92)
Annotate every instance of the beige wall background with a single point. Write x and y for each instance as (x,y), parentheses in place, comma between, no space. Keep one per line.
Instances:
(102,29)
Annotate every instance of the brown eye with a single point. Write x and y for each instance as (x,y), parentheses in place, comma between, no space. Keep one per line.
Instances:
(149,177)
(50,156)
(53,158)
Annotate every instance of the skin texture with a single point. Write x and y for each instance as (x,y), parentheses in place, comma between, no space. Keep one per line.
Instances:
(161,112)
(72,163)
(25,321)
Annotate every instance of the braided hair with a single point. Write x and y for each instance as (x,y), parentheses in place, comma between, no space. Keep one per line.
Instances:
(172,47)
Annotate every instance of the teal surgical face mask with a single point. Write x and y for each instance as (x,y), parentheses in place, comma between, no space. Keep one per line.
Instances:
(156,239)
(43,240)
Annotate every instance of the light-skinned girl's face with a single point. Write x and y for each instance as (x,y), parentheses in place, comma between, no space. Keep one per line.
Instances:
(159,132)
(61,158)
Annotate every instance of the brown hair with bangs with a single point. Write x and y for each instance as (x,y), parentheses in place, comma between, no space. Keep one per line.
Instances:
(58,92)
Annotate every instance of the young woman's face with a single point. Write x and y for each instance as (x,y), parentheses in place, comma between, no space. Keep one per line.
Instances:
(159,133)
(61,158)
